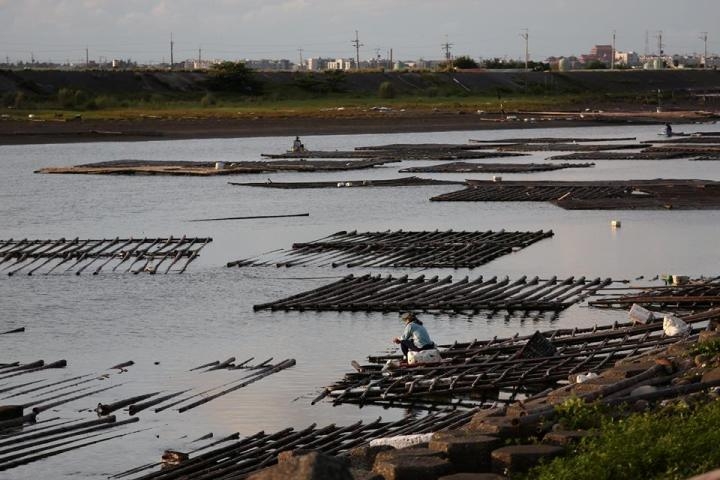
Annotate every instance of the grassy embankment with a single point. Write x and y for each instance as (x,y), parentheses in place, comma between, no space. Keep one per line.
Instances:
(675,440)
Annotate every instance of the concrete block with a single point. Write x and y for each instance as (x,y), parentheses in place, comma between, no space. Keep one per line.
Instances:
(521,458)
(467,451)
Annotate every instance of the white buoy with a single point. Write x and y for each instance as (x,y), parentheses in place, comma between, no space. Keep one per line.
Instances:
(496,178)
(615,224)
(219,165)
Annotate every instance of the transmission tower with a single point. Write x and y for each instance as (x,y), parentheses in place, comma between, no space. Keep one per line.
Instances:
(446,48)
(660,43)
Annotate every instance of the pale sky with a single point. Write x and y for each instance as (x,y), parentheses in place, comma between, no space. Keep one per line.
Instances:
(60,30)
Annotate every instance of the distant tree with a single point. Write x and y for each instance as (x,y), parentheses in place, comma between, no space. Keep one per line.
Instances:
(386,90)
(233,77)
(464,62)
(595,65)
(499,63)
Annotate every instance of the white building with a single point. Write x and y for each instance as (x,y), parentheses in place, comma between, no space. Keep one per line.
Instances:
(341,64)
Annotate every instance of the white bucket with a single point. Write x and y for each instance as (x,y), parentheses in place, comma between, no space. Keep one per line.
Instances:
(424,356)
(219,165)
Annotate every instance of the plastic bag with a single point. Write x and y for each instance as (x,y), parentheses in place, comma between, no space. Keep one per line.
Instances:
(673,326)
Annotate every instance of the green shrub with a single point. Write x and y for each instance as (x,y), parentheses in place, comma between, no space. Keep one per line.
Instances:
(208,100)
(66,98)
(386,90)
(674,444)
(105,101)
(20,100)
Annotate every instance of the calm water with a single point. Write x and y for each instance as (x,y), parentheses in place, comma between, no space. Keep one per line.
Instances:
(169,324)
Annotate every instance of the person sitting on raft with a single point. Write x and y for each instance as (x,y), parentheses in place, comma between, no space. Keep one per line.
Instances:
(297,145)
(415,337)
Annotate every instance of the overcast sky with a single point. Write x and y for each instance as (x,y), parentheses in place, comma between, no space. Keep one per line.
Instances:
(60,30)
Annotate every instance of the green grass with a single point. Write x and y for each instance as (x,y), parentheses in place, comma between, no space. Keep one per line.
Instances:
(673,444)
(331,105)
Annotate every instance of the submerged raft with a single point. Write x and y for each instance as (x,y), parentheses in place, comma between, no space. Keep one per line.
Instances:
(400,249)
(136,255)
(391,182)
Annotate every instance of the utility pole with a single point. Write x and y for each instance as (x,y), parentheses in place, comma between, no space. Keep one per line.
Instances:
(446,48)
(704,38)
(612,55)
(87,58)
(526,36)
(172,44)
(199,65)
(647,43)
(660,42)
(356,43)
(300,65)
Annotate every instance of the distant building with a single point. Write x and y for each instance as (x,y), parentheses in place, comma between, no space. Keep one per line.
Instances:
(341,64)
(627,59)
(318,64)
(602,53)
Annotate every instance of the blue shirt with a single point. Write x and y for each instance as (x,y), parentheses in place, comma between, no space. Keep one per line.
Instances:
(417,333)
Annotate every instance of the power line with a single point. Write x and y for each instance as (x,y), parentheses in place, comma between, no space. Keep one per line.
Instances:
(704,38)
(526,36)
(357,45)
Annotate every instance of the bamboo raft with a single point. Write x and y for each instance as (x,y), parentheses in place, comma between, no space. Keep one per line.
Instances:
(704,139)
(204,169)
(240,458)
(400,249)
(148,255)
(465,167)
(601,195)
(400,154)
(644,155)
(25,438)
(390,294)
(567,147)
(699,294)
(554,140)
(499,369)
(392,182)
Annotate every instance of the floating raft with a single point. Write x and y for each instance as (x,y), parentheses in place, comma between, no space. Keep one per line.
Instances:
(554,140)
(27,436)
(400,154)
(400,249)
(697,295)
(567,147)
(149,255)
(644,155)
(704,139)
(158,167)
(465,167)
(600,195)
(391,294)
(392,182)
(240,458)
(478,372)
